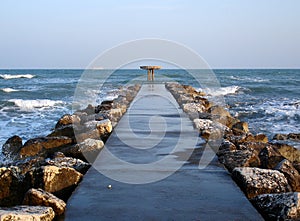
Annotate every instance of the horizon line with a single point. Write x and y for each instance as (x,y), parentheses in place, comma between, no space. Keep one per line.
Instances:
(168,68)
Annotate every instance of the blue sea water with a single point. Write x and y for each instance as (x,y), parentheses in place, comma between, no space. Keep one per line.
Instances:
(31,101)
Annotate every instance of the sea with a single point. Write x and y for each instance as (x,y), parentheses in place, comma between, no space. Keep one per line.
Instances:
(31,101)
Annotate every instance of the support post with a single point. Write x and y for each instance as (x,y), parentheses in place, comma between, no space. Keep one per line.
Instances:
(150,71)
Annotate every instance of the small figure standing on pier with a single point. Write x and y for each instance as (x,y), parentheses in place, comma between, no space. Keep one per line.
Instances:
(150,70)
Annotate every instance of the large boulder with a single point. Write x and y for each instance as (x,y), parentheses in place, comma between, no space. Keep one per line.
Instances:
(104,127)
(257,146)
(259,138)
(202,124)
(27,164)
(238,158)
(210,130)
(292,175)
(74,163)
(60,181)
(288,152)
(240,128)
(27,213)
(255,181)
(68,119)
(115,114)
(219,111)
(281,206)
(270,157)
(294,136)
(290,136)
(39,197)
(87,150)
(43,146)
(89,134)
(104,106)
(226,146)
(193,109)
(184,98)
(13,186)
(12,146)
(226,120)
(66,131)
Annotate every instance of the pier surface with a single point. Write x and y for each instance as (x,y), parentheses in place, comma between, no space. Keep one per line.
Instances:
(134,187)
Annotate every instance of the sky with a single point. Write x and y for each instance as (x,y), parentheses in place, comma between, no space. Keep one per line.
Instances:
(226,33)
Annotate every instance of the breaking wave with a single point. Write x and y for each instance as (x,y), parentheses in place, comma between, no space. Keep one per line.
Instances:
(28,105)
(14,76)
(8,90)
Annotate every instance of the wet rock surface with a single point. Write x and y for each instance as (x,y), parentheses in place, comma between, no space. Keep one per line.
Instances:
(282,206)
(27,213)
(290,136)
(238,158)
(291,174)
(12,186)
(60,181)
(43,146)
(12,146)
(39,197)
(74,163)
(255,181)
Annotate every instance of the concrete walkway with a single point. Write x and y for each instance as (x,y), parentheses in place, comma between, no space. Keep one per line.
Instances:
(151,161)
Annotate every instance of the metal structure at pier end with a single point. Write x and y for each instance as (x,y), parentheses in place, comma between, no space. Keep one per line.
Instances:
(150,70)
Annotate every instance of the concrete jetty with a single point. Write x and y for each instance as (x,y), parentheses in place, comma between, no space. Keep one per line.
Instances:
(149,170)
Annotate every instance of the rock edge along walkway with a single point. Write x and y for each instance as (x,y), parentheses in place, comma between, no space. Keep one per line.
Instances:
(187,194)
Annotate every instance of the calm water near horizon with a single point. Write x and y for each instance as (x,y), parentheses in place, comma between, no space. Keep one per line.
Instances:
(31,101)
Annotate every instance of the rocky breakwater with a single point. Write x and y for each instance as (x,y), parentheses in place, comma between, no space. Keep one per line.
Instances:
(268,172)
(40,175)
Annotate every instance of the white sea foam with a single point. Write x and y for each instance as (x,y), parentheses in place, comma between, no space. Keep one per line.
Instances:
(8,90)
(222,91)
(254,79)
(14,76)
(28,105)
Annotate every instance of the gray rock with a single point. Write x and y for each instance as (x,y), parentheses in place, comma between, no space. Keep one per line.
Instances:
(66,131)
(282,206)
(89,134)
(238,158)
(193,109)
(294,136)
(270,157)
(292,175)
(74,163)
(256,181)
(39,197)
(13,186)
(12,146)
(290,136)
(203,124)
(210,130)
(27,213)
(89,149)
(226,145)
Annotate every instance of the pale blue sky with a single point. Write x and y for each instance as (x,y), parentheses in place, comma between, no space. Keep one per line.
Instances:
(226,33)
